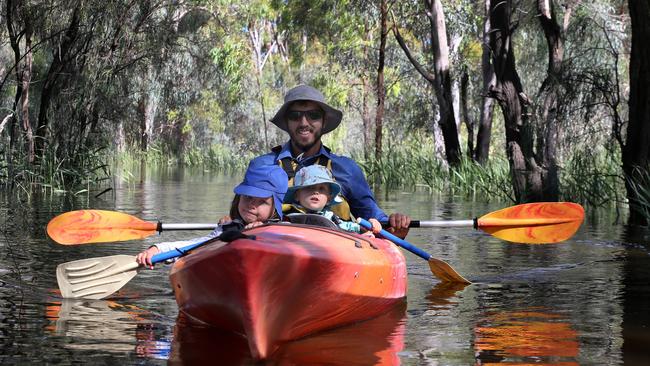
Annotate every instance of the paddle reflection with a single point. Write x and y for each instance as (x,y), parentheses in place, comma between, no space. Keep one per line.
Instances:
(105,325)
(373,342)
(443,293)
(532,335)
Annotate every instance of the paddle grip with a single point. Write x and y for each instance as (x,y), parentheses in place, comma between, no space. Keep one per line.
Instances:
(414,223)
(401,242)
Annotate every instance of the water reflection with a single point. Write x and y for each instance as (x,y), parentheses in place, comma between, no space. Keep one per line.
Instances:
(529,335)
(107,326)
(373,342)
(441,295)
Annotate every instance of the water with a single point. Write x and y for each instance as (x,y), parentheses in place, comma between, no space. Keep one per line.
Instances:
(584,301)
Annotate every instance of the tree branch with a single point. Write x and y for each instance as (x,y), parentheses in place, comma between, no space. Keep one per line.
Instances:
(427,75)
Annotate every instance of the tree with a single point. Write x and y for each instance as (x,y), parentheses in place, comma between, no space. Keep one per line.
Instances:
(440,78)
(508,91)
(636,152)
(484,135)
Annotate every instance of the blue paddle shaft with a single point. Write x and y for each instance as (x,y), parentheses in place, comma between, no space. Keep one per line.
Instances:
(401,242)
(177,252)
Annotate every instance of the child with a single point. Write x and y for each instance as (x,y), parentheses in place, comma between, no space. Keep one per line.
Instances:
(258,199)
(315,191)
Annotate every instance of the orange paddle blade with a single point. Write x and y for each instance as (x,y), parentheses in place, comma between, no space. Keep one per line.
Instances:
(534,223)
(95,226)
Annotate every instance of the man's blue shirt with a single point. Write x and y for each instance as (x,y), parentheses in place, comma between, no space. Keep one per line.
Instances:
(347,174)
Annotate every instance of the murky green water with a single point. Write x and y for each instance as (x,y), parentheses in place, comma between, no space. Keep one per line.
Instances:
(585,301)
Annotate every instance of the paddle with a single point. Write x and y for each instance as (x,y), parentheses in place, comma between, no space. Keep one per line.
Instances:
(533,223)
(439,268)
(97,278)
(530,223)
(98,226)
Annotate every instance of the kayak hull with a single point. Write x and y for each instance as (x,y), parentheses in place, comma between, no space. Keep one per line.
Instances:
(290,281)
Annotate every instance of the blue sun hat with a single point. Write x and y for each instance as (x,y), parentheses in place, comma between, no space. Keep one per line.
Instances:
(312,175)
(265,181)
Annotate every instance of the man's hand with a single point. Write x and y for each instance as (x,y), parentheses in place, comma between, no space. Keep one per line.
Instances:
(399,224)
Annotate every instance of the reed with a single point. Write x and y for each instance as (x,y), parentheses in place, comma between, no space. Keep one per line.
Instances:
(50,173)
(593,177)
(217,157)
(413,163)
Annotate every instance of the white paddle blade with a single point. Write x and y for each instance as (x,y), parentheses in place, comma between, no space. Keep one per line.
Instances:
(95,278)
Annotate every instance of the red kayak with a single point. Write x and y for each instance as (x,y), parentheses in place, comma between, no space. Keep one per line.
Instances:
(289,281)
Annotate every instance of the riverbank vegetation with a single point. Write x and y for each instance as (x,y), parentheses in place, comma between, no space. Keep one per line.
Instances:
(514,100)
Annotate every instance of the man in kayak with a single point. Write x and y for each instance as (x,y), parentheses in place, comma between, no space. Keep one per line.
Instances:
(305,116)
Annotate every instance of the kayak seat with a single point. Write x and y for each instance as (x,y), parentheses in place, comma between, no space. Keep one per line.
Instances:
(311,219)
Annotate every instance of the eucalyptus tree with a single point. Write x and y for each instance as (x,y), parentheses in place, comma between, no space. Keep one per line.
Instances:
(439,77)
(636,152)
(530,142)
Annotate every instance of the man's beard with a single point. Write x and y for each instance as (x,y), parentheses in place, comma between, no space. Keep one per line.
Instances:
(306,147)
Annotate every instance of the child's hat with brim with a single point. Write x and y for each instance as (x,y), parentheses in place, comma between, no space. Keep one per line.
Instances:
(312,175)
(265,181)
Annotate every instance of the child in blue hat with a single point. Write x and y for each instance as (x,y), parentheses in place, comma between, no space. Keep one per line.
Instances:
(314,191)
(258,199)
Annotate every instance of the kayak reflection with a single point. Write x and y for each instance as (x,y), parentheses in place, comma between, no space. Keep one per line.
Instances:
(526,335)
(372,342)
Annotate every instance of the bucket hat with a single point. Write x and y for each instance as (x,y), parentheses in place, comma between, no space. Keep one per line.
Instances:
(265,181)
(312,175)
(307,93)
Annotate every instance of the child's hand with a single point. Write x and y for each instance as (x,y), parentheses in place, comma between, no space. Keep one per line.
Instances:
(224,220)
(376,226)
(144,258)
(253,224)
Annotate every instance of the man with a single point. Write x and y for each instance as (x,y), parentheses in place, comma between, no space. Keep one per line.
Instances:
(306,117)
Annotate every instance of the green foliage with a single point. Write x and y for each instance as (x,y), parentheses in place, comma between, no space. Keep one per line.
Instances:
(190,71)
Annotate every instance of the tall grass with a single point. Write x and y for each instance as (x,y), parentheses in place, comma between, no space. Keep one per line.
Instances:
(639,183)
(75,174)
(217,157)
(593,177)
(413,163)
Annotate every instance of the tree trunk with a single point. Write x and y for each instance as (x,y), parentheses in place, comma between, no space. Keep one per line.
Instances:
(443,80)
(23,75)
(255,36)
(24,98)
(484,134)
(636,152)
(440,79)
(381,90)
(548,129)
(508,91)
(366,118)
(61,56)
(469,122)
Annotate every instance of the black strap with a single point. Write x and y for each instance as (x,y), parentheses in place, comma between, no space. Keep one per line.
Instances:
(287,164)
(233,235)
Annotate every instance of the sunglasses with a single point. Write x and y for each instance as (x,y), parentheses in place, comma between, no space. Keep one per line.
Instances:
(312,115)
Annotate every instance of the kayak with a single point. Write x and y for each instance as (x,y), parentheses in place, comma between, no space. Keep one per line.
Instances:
(287,281)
